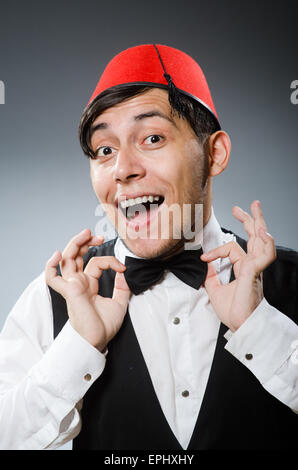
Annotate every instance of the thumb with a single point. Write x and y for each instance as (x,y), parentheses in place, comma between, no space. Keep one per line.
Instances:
(121,292)
(212,281)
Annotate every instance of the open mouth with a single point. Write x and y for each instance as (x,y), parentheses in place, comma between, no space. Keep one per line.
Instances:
(140,206)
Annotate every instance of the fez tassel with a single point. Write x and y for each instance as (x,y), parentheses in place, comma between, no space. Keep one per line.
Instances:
(174,97)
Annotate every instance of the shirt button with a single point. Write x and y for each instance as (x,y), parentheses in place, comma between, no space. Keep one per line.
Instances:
(176,321)
(185,393)
(248,356)
(87,377)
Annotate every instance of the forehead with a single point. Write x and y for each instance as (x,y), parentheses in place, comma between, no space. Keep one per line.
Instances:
(154,99)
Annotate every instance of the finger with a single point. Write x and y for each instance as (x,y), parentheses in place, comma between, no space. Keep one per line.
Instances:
(212,280)
(68,263)
(256,210)
(51,277)
(269,250)
(97,264)
(121,292)
(79,264)
(95,241)
(246,219)
(84,249)
(79,259)
(77,242)
(231,250)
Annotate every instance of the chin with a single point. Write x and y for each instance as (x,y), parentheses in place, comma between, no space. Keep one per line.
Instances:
(149,248)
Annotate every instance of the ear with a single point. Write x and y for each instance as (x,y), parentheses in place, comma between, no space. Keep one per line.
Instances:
(219,149)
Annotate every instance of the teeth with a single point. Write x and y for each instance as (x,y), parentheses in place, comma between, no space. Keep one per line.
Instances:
(138,200)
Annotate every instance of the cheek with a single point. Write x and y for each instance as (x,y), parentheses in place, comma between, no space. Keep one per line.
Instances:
(177,172)
(100,182)
(194,161)
(171,167)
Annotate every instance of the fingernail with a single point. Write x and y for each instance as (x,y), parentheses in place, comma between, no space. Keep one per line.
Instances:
(264,232)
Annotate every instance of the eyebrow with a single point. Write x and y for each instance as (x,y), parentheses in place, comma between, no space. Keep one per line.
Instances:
(139,117)
(150,114)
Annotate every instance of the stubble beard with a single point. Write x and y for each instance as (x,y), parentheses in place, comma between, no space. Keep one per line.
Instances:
(194,195)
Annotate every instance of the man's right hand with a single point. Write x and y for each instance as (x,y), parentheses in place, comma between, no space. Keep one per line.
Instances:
(95,318)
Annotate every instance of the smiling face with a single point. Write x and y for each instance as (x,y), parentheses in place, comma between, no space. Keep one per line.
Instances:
(143,150)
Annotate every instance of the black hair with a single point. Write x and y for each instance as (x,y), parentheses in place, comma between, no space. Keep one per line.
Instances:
(200,118)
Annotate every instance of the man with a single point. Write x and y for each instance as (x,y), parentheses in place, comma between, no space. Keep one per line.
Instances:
(170,346)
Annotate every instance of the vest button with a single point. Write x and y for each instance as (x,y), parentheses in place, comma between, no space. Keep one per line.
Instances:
(248,356)
(185,393)
(176,321)
(87,377)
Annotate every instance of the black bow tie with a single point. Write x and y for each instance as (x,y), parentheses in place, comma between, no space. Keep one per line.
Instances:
(140,274)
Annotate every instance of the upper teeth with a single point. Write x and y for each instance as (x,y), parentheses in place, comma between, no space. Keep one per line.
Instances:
(138,200)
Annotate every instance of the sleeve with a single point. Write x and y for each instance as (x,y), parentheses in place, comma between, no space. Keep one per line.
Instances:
(42,381)
(267,343)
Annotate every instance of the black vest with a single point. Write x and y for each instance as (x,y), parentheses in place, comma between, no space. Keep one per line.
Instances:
(121,411)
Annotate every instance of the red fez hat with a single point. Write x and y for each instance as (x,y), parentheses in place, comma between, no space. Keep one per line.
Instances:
(158,66)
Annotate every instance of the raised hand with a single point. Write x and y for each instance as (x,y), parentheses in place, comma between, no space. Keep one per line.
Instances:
(95,318)
(235,302)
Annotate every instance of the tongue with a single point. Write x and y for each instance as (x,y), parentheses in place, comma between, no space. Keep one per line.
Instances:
(141,211)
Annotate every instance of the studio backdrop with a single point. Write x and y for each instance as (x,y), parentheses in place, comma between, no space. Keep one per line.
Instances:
(51,56)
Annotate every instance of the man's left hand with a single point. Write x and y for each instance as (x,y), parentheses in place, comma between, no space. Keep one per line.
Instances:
(235,302)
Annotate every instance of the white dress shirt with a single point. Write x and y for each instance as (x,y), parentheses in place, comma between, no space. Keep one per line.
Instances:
(43,381)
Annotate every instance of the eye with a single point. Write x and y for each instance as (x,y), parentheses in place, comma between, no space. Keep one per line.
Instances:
(153,139)
(104,151)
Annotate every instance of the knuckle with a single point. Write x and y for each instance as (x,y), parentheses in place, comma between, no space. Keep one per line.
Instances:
(92,261)
(96,261)
(229,244)
(247,225)
(235,246)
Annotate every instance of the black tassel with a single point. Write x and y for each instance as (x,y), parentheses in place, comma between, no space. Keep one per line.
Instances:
(175,96)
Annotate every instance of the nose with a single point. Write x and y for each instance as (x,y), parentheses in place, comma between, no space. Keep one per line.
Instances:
(128,166)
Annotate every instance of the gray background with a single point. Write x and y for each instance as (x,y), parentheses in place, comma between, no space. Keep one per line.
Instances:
(51,56)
